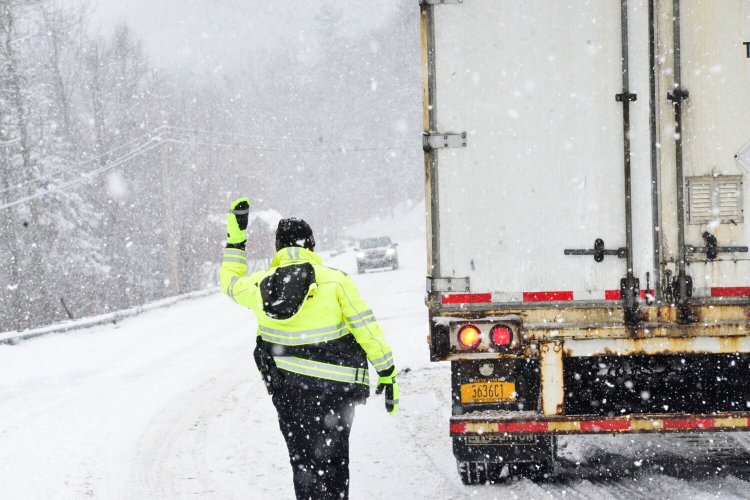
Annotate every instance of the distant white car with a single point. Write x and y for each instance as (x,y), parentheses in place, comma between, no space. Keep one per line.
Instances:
(376,253)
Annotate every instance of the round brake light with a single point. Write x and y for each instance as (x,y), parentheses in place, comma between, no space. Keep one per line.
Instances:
(469,336)
(501,335)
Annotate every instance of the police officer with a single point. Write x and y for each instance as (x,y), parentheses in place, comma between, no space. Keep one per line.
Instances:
(315,336)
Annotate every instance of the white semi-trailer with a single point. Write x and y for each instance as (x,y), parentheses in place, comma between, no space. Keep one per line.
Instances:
(588,250)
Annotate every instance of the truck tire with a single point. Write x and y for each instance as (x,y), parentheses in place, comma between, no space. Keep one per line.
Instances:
(472,472)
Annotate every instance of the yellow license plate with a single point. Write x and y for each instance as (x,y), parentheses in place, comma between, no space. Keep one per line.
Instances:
(488,391)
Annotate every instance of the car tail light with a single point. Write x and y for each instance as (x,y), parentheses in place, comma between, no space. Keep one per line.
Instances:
(469,336)
(501,335)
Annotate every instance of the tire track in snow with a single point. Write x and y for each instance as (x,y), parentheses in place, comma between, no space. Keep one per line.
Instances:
(170,457)
(637,471)
(205,442)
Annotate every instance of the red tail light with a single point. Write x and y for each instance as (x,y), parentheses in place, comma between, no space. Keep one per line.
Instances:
(501,335)
(469,336)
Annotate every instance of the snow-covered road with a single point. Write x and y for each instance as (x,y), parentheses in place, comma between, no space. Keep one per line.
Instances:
(169,405)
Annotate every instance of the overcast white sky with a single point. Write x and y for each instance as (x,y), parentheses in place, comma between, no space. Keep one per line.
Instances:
(219,33)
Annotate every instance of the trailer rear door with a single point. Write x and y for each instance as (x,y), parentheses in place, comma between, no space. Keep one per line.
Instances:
(714,70)
(533,85)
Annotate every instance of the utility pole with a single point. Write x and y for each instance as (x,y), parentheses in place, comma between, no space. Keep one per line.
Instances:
(166,187)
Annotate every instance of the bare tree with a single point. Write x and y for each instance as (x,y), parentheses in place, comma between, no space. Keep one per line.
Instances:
(17,144)
(63,29)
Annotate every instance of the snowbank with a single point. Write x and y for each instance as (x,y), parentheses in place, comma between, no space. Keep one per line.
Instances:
(102,319)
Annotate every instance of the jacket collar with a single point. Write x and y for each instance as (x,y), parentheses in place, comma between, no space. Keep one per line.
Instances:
(293,255)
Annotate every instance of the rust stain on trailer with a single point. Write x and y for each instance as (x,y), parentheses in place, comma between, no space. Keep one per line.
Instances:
(646,425)
(730,422)
(657,346)
(706,314)
(424,25)
(551,376)
(539,333)
(481,427)
(564,426)
(729,344)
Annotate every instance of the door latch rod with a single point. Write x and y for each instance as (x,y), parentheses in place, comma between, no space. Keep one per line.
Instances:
(712,248)
(599,251)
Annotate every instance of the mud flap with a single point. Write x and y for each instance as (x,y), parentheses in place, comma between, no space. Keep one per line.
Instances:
(531,455)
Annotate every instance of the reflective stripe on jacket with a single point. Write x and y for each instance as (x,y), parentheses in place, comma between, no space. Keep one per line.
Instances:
(326,343)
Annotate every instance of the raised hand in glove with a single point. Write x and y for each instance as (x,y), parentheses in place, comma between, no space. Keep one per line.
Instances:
(387,381)
(237,223)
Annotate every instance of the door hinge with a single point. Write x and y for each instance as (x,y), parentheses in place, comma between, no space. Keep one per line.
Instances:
(678,95)
(626,97)
(448,284)
(437,140)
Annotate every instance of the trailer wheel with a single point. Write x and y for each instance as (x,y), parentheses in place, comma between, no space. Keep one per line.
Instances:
(472,472)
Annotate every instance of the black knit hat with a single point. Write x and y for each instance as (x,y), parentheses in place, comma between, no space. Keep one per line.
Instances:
(294,232)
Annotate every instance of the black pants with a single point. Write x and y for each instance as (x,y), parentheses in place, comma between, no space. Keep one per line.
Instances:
(316,427)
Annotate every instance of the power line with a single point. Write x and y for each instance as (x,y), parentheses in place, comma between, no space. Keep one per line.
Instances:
(156,133)
(155,139)
(344,140)
(289,150)
(75,166)
(85,178)
(198,131)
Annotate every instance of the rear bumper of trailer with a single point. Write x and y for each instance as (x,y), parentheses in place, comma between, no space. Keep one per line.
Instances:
(510,426)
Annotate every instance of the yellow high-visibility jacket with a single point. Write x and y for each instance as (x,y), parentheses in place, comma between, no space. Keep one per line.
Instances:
(320,331)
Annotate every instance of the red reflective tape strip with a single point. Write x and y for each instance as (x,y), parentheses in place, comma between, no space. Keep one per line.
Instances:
(617,295)
(731,291)
(523,427)
(458,428)
(612,295)
(466,298)
(688,423)
(604,425)
(547,296)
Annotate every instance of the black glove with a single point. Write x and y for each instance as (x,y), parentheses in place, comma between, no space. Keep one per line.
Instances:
(387,381)
(241,211)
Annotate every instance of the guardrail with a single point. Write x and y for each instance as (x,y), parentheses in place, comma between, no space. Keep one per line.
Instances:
(103,319)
